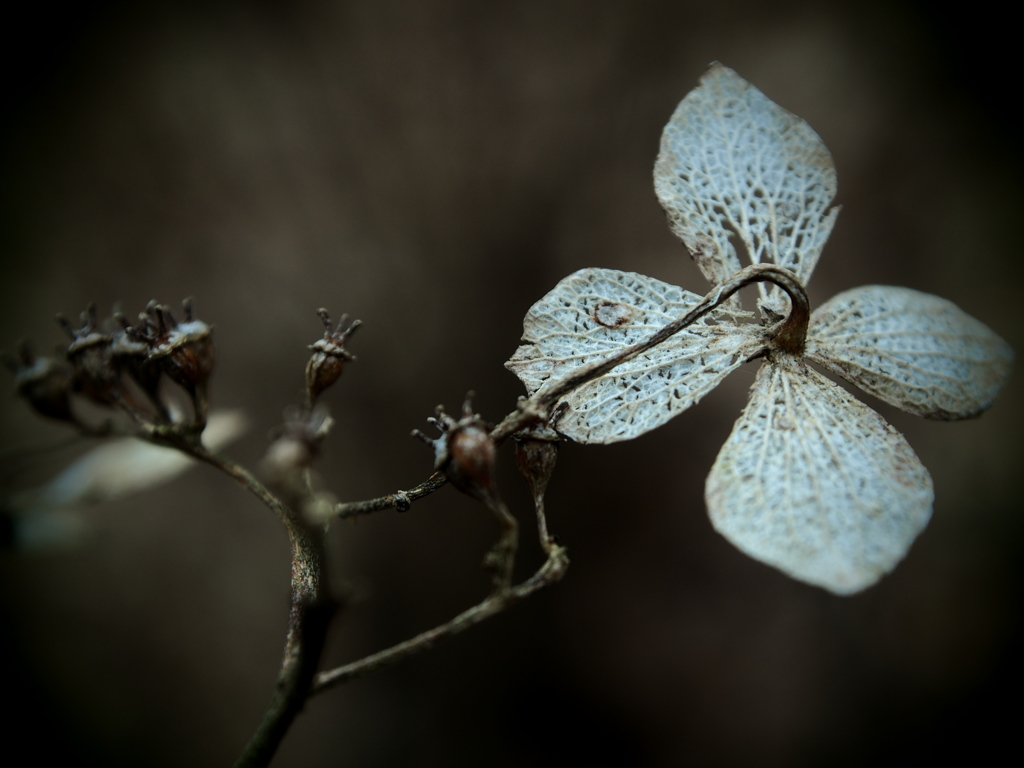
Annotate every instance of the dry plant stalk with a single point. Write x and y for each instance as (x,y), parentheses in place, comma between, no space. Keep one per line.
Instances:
(810,481)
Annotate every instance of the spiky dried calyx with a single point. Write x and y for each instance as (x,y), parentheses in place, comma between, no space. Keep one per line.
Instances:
(464,451)
(91,359)
(329,355)
(44,382)
(184,351)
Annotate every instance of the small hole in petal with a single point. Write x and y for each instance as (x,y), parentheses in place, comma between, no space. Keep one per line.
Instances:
(612,314)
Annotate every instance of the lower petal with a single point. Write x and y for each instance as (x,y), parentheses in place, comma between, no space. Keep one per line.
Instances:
(816,484)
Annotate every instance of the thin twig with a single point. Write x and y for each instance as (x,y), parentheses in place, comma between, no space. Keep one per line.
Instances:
(502,558)
(311,611)
(310,614)
(244,477)
(549,573)
(547,541)
(400,500)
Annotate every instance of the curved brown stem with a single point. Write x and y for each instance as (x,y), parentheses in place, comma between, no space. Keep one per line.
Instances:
(310,614)
(502,558)
(549,573)
(311,610)
(789,336)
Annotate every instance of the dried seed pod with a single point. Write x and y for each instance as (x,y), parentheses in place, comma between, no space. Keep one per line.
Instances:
(91,358)
(130,347)
(329,355)
(464,451)
(184,351)
(43,382)
(536,454)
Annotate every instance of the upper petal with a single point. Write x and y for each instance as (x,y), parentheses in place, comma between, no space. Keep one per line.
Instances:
(733,161)
(594,313)
(816,484)
(913,350)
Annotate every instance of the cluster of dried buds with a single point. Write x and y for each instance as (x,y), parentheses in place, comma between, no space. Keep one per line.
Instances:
(111,365)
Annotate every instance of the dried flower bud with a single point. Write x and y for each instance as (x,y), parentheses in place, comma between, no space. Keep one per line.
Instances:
(464,451)
(536,453)
(186,348)
(44,382)
(90,357)
(184,351)
(130,349)
(329,355)
(297,444)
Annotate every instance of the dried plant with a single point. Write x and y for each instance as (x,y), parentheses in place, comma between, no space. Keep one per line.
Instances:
(810,481)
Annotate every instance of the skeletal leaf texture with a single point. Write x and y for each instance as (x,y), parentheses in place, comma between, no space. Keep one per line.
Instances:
(817,484)
(913,350)
(811,481)
(732,161)
(596,312)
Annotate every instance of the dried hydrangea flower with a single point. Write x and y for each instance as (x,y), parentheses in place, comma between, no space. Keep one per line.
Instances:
(811,480)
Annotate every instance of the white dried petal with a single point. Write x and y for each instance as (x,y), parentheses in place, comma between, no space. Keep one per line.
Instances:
(816,484)
(50,515)
(733,163)
(126,466)
(913,350)
(595,313)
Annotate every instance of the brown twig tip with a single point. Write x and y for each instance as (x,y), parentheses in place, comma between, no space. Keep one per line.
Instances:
(399,500)
(423,437)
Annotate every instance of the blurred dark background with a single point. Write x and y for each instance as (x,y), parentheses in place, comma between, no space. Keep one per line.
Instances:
(434,168)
